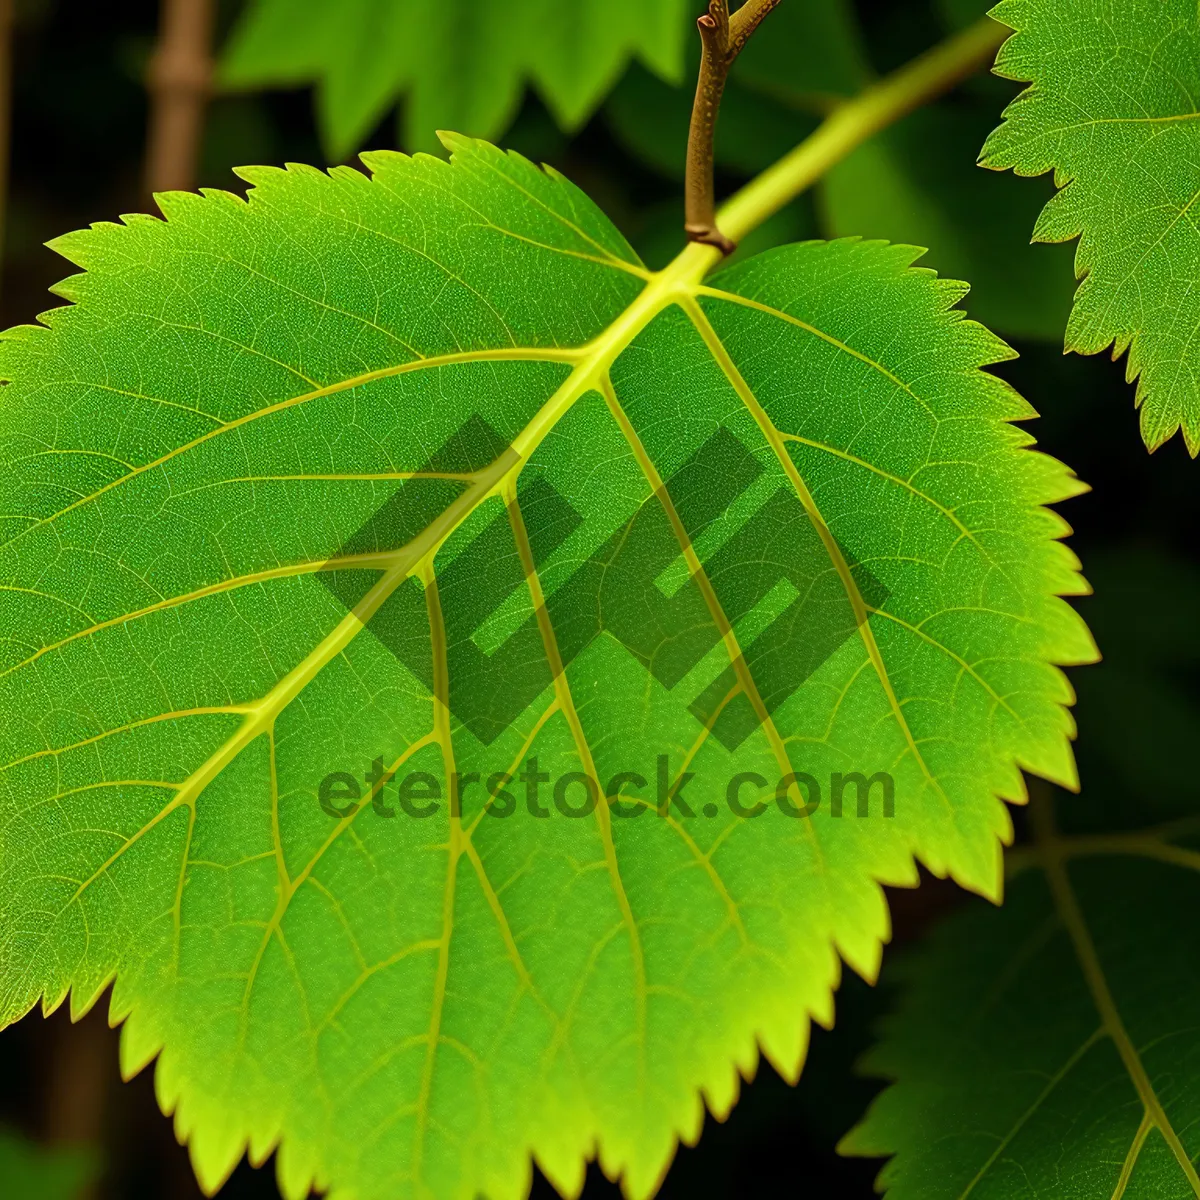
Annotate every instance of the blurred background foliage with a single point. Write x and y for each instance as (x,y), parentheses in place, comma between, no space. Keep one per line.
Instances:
(314,81)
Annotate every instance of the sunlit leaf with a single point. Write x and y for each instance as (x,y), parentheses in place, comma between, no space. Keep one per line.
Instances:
(427,468)
(1113,112)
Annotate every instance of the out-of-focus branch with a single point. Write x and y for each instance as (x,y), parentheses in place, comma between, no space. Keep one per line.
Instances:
(179,80)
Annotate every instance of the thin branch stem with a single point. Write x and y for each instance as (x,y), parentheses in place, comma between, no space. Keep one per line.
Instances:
(722,38)
(882,104)
(179,80)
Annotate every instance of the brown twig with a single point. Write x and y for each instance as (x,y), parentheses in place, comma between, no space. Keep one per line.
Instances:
(723,36)
(179,79)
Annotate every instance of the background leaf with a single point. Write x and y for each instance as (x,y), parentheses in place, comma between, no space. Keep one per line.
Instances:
(1112,110)
(463,64)
(1050,1046)
(809,58)
(812,55)
(992,1094)
(651,118)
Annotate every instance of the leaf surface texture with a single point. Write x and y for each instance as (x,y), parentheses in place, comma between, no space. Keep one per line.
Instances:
(776,521)
(1114,112)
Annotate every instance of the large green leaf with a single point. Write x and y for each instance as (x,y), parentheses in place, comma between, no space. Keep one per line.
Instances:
(462,64)
(439,404)
(1050,1047)
(1114,112)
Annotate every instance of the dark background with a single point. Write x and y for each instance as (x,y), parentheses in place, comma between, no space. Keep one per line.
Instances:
(79,120)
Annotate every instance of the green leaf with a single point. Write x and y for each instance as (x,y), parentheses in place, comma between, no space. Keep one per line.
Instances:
(27,1170)
(462,64)
(995,1005)
(1049,1048)
(1113,112)
(345,471)
(917,182)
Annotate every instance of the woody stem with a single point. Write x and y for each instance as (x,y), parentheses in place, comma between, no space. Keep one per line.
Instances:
(722,38)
